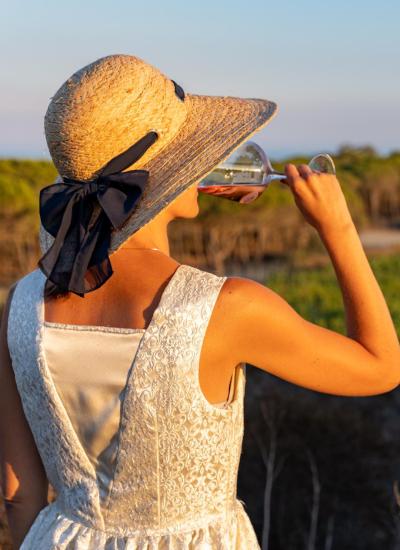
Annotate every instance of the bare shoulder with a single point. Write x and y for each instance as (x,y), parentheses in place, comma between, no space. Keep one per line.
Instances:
(244,300)
(259,327)
(242,290)
(254,308)
(243,308)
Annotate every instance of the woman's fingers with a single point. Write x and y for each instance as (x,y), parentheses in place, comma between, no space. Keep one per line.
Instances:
(299,178)
(291,171)
(296,177)
(318,196)
(304,171)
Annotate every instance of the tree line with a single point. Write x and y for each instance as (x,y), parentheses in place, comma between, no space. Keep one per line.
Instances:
(271,225)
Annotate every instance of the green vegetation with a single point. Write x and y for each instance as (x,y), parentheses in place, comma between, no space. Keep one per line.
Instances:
(371,184)
(315,294)
(20,182)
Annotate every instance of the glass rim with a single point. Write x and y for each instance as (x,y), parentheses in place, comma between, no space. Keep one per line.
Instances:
(259,149)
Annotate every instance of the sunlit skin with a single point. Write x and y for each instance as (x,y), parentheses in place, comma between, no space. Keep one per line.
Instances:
(250,323)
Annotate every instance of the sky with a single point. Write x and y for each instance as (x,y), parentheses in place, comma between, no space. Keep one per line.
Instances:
(332,67)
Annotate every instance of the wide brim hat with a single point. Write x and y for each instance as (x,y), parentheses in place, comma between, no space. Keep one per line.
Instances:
(106,106)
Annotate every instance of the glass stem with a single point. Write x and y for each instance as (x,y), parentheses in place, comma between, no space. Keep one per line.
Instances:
(276,176)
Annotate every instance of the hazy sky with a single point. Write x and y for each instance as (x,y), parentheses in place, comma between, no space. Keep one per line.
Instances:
(333,67)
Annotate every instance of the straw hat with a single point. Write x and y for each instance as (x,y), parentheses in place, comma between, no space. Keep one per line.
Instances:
(106,106)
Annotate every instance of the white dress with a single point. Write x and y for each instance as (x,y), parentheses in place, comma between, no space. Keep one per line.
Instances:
(138,457)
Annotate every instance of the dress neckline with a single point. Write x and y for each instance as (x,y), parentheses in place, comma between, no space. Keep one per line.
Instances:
(105,328)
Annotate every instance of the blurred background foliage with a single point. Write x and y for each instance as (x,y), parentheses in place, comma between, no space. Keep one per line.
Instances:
(366,179)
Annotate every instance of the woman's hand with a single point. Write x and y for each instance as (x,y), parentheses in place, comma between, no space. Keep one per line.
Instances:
(319,197)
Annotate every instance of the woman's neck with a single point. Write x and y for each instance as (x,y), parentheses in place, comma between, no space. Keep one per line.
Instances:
(153,235)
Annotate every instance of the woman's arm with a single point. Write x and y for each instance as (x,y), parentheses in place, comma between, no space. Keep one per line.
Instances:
(268,333)
(24,482)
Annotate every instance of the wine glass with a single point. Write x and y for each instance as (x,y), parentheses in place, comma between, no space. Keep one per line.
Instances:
(247,172)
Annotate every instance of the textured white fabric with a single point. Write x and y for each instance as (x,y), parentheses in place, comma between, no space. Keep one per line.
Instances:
(92,394)
(175,468)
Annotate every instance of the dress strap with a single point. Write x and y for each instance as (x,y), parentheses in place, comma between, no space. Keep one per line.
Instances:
(201,293)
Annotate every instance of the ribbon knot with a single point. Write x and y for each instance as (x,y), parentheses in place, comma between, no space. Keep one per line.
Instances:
(81,215)
(91,187)
(102,184)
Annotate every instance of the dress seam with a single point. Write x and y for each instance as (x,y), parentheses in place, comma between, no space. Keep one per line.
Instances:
(178,528)
(92,328)
(158,474)
(228,479)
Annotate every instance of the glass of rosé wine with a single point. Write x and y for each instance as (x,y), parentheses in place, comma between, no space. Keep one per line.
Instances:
(247,172)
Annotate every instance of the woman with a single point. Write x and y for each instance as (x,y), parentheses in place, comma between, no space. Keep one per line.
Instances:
(130,401)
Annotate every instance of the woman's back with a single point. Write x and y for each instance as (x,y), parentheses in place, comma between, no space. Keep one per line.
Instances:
(165,472)
(129,299)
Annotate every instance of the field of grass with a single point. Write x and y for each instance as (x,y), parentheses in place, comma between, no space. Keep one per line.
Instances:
(315,294)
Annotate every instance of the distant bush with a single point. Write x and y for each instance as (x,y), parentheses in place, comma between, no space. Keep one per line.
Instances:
(20,182)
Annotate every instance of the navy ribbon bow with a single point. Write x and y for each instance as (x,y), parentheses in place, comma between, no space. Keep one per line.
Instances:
(78,259)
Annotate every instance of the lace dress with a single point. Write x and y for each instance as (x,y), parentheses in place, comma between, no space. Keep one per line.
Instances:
(138,457)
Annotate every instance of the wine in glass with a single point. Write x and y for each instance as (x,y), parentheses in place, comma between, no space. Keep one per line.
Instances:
(247,172)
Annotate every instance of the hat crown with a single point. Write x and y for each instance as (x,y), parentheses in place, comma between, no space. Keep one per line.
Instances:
(104,108)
